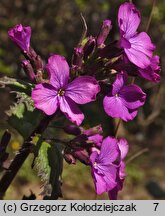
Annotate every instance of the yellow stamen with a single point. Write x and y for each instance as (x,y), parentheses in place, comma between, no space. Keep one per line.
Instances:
(95,164)
(61,92)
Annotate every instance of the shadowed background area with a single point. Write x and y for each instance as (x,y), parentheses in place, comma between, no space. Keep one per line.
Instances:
(56,28)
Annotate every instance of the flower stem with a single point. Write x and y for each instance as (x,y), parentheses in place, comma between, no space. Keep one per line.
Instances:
(151,14)
(20,158)
(117,127)
(85,28)
(137,155)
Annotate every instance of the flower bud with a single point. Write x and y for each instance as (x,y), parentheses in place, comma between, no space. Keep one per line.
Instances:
(82,156)
(38,63)
(78,57)
(89,46)
(110,51)
(69,158)
(28,69)
(92,131)
(20,35)
(105,29)
(72,129)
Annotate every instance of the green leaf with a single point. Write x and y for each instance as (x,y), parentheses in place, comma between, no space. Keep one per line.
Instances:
(56,164)
(16,85)
(23,117)
(49,165)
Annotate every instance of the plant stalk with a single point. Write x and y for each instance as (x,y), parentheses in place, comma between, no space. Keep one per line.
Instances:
(20,158)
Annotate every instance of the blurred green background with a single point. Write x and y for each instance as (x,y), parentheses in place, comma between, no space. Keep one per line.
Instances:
(56,28)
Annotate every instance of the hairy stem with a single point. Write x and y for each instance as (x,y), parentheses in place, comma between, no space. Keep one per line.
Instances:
(20,158)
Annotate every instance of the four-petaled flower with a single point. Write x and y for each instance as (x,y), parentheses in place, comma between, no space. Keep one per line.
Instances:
(59,93)
(137,46)
(123,100)
(20,35)
(105,165)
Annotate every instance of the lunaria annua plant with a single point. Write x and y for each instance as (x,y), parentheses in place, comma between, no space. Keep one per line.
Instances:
(59,89)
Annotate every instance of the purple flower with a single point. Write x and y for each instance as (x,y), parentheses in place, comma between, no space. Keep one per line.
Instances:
(61,94)
(123,100)
(123,147)
(20,35)
(152,72)
(137,46)
(104,169)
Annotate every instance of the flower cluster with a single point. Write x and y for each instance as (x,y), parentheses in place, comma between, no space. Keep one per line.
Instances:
(104,155)
(97,70)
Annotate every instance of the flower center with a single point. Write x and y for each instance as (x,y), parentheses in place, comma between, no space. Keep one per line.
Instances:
(95,164)
(61,92)
(116,95)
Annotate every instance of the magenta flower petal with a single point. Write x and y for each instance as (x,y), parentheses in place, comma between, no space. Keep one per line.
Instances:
(141,50)
(152,72)
(122,173)
(97,139)
(109,151)
(71,110)
(20,35)
(118,84)
(105,174)
(83,89)
(110,177)
(123,146)
(45,98)
(58,70)
(128,19)
(115,108)
(93,157)
(100,184)
(132,96)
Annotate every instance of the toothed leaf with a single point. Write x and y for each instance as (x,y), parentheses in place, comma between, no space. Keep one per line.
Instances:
(16,85)
(22,116)
(49,164)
